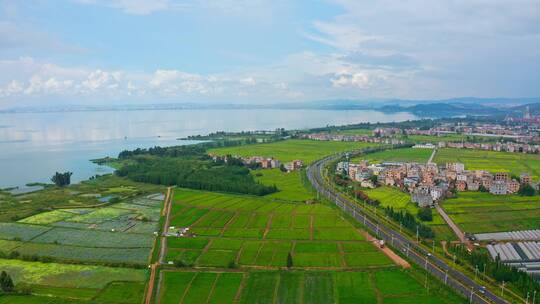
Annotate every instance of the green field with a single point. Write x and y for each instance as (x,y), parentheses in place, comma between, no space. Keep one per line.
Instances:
(332,261)
(88,193)
(116,233)
(397,155)
(393,197)
(288,150)
(290,185)
(478,212)
(60,282)
(254,231)
(515,163)
(396,286)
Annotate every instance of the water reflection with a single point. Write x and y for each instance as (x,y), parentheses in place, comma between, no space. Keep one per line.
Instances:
(35,145)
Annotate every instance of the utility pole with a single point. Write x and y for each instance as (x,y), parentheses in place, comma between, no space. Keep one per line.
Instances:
(445,276)
(527,299)
(433,246)
(502,289)
(454,260)
(417,235)
(472,291)
(534,297)
(475,271)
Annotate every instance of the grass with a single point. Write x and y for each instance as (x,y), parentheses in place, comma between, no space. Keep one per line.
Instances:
(288,150)
(395,286)
(69,276)
(514,163)
(478,212)
(397,155)
(87,193)
(291,185)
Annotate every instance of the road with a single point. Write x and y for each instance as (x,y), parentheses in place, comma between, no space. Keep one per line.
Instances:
(430,161)
(163,246)
(453,226)
(420,256)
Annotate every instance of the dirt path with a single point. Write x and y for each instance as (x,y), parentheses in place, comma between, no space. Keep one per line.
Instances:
(388,252)
(163,248)
(430,161)
(453,226)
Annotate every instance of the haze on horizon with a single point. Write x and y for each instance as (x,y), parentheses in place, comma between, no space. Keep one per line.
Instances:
(154,51)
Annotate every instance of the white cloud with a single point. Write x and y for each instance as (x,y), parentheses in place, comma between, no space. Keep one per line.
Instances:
(134,7)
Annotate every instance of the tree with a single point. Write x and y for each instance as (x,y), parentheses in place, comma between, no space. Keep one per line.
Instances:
(526,190)
(425,214)
(374,179)
(62,179)
(482,189)
(282,168)
(6,283)
(289,260)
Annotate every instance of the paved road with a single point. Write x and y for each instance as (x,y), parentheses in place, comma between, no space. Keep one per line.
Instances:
(437,267)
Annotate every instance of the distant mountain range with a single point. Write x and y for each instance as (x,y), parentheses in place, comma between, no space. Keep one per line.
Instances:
(424,108)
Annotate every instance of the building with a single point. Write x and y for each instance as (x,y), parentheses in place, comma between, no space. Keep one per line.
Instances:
(498,187)
(501,176)
(461,185)
(473,186)
(525,178)
(456,167)
(513,186)
(422,197)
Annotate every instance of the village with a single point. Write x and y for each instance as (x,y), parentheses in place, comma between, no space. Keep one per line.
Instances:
(430,183)
(260,162)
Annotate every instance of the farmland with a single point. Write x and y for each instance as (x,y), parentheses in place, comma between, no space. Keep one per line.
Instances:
(86,194)
(393,197)
(288,150)
(397,155)
(394,285)
(290,185)
(81,283)
(117,233)
(482,212)
(515,163)
(330,256)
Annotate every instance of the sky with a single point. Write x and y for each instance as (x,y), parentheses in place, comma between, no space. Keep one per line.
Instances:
(101,52)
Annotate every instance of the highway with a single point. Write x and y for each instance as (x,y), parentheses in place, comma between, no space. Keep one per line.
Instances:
(455,279)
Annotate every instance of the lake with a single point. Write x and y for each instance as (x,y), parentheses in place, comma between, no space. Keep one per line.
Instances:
(35,145)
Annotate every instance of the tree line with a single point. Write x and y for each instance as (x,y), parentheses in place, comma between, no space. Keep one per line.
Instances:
(409,221)
(498,270)
(190,167)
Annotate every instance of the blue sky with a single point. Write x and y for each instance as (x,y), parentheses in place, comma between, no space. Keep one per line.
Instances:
(152,51)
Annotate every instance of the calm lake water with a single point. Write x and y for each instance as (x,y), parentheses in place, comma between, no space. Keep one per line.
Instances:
(35,145)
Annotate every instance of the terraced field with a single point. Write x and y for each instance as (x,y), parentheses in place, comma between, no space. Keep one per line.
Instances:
(482,212)
(515,163)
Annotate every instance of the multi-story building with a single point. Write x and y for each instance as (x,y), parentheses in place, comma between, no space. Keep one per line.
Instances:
(513,186)
(525,178)
(498,187)
(501,176)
